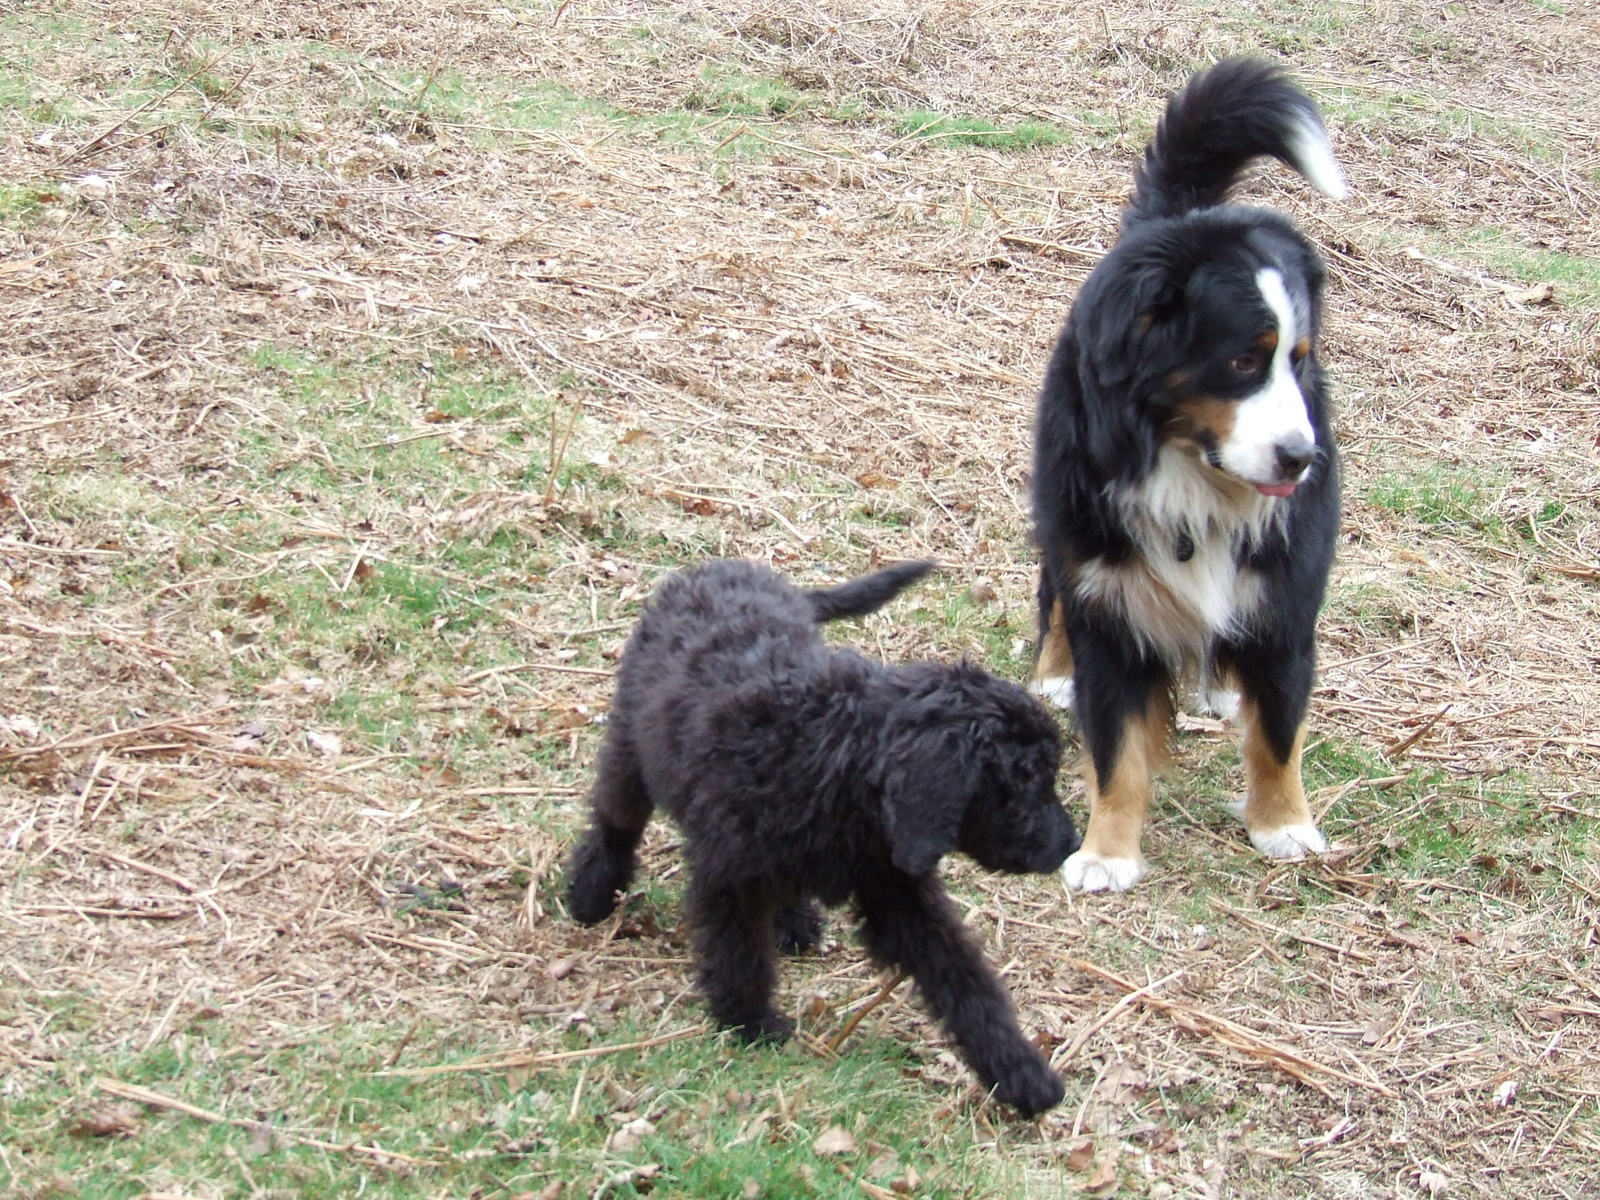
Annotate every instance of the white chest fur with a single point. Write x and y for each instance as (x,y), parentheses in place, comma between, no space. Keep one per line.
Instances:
(1185,588)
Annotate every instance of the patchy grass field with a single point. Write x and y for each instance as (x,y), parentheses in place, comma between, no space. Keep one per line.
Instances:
(364,365)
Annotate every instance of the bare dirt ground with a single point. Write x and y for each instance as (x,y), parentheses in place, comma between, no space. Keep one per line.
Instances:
(363,365)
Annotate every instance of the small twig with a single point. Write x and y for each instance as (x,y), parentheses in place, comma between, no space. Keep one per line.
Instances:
(1235,1036)
(1252,923)
(526,1058)
(223,99)
(98,738)
(177,881)
(57,551)
(16,429)
(1560,1129)
(165,1023)
(1059,1060)
(143,1095)
(856,1018)
(145,107)
(404,1042)
(433,73)
(577,1093)
(560,453)
(1399,749)
(517,668)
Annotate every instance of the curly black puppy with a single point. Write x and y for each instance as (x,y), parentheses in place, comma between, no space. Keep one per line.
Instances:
(800,772)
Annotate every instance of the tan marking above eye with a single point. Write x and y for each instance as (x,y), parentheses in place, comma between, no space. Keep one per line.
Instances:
(1302,347)
(1267,343)
(1203,414)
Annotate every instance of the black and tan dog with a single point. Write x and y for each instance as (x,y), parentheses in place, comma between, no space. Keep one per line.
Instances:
(798,772)
(1186,490)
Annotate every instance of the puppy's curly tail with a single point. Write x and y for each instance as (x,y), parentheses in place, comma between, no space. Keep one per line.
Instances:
(1239,110)
(868,593)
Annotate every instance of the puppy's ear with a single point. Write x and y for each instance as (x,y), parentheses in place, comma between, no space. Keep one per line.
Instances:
(931,778)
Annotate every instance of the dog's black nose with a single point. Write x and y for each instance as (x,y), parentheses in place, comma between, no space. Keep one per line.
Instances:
(1294,456)
(1063,840)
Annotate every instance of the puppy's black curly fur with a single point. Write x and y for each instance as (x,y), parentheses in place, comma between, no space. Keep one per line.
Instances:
(799,772)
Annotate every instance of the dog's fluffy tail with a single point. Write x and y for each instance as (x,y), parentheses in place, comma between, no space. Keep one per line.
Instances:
(1239,110)
(868,593)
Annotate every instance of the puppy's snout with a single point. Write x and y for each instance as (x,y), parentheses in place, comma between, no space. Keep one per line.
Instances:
(1063,840)
(1294,455)
(1074,842)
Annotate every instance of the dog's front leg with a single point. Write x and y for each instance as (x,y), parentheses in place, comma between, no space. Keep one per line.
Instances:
(1123,713)
(733,945)
(918,929)
(1276,681)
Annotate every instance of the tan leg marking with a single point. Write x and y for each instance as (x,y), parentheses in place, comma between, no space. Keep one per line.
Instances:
(1109,859)
(1055,655)
(1052,676)
(1275,810)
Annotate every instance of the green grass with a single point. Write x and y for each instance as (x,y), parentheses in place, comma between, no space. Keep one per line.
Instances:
(734,93)
(20,204)
(1576,277)
(1458,498)
(718,1116)
(1292,29)
(943,129)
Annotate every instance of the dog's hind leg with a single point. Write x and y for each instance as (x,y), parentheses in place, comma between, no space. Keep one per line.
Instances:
(1052,674)
(602,865)
(733,947)
(799,926)
(917,928)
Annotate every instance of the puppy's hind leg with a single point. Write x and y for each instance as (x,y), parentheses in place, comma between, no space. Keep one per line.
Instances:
(733,945)
(799,926)
(918,929)
(602,864)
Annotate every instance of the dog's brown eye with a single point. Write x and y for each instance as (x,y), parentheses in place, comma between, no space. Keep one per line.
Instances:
(1247,364)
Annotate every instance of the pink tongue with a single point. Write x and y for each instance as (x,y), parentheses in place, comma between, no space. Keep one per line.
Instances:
(1275,489)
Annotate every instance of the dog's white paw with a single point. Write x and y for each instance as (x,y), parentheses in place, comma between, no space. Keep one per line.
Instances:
(1088,872)
(1055,688)
(1235,809)
(1222,703)
(1292,841)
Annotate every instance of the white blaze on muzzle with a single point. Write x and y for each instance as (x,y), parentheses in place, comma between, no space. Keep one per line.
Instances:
(1273,419)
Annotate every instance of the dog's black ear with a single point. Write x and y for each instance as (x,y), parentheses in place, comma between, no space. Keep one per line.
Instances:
(930,778)
(1129,325)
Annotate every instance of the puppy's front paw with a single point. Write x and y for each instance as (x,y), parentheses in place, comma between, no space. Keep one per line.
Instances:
(1057,689)
(1030,1087)
(593,879)
(1291,841)
(1086,871)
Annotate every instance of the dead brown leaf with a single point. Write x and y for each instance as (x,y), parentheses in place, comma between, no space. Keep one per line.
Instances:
(1081,1155)
(1104,1181)
(106,1123)
(834,1140)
